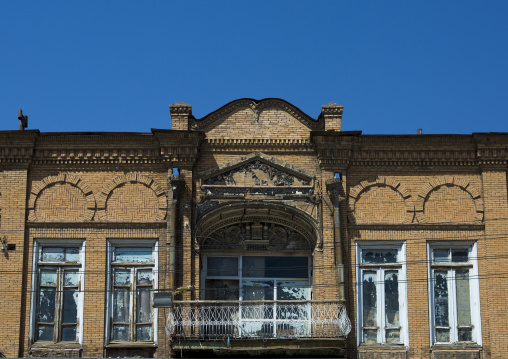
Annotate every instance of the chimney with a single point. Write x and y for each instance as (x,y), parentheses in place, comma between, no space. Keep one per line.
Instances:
(419,131)
(23,120)
(180,113)
(332,115)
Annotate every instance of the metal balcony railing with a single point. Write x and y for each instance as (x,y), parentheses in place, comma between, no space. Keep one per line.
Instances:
(258,319)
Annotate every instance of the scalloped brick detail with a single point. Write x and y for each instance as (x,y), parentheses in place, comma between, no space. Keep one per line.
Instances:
(119,181)
(381,181)
(436,183)
(73,180)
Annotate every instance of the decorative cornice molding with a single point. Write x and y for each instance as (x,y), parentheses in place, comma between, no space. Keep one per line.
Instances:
(257,106)
(257,144)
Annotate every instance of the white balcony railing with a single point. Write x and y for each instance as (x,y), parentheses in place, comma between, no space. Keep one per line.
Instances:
(258,319)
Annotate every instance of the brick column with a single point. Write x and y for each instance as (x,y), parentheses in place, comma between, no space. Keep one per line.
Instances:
(14,286)
(493,286)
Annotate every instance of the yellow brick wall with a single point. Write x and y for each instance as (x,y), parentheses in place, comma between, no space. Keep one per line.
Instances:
(97,201)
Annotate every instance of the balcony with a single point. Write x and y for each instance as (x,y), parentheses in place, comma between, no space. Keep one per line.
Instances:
(265,319)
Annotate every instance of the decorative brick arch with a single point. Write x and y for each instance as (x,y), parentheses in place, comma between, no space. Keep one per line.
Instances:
(134,178)
(450,181)
(356,192)
(62,178)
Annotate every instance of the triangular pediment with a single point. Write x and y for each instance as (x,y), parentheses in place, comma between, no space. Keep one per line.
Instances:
(256,169)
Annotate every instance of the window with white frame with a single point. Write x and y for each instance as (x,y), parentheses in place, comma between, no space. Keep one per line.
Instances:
(454,293)
(132,279)
(57,300)
(382,298)
(261,278)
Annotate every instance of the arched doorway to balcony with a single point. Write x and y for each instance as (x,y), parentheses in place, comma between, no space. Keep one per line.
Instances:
(256,280)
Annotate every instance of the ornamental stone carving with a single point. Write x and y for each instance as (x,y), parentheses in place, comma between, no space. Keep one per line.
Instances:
(257,226)
(254,170)
(257,236)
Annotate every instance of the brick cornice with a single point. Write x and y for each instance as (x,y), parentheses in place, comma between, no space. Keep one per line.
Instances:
(258,144)
(341,150)
(99,148)
(17,147)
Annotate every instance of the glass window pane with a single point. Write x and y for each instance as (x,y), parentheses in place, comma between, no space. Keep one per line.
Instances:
(463,298)
(393,336)
(287,267)
(222,289)
(441,255)
(257,290)
(144,332)
(443,335)
(69,334)
(144,277)
(370,336)
(71,254)
(133,254)
(48,277)
(122,277)
(293,290)
(379,256)
(441,299)
(369,299)
(53,254)
(275,267)
(121,305)
(70,306)
(392,299)
(144,305)
(465,334)
(253,267)
(222,266)
(120,333)
(45,332)
(47,298)
(71,278)
(460,255)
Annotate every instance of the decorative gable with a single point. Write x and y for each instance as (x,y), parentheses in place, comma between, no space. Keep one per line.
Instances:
(255,170)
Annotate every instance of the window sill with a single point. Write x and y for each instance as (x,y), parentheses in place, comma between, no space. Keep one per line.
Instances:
(131,345)
(59,345)
(381,346)
(456,346)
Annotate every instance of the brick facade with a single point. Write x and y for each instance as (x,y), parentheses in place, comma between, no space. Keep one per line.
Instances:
(253,164)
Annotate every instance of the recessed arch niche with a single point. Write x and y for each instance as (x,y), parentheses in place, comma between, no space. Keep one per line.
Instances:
(256,227)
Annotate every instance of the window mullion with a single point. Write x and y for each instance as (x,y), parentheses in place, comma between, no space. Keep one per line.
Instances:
(58,304)
(380,305)
(452,305)
(132,313)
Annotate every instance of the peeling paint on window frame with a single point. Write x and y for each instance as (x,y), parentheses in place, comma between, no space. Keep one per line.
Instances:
(451,267)
(134,267)
(37,265)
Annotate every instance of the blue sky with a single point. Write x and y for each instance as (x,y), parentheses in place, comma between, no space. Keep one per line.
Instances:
(395,66)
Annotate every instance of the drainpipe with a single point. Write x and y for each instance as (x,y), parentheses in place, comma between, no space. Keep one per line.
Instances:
(176,182)
(333,187)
